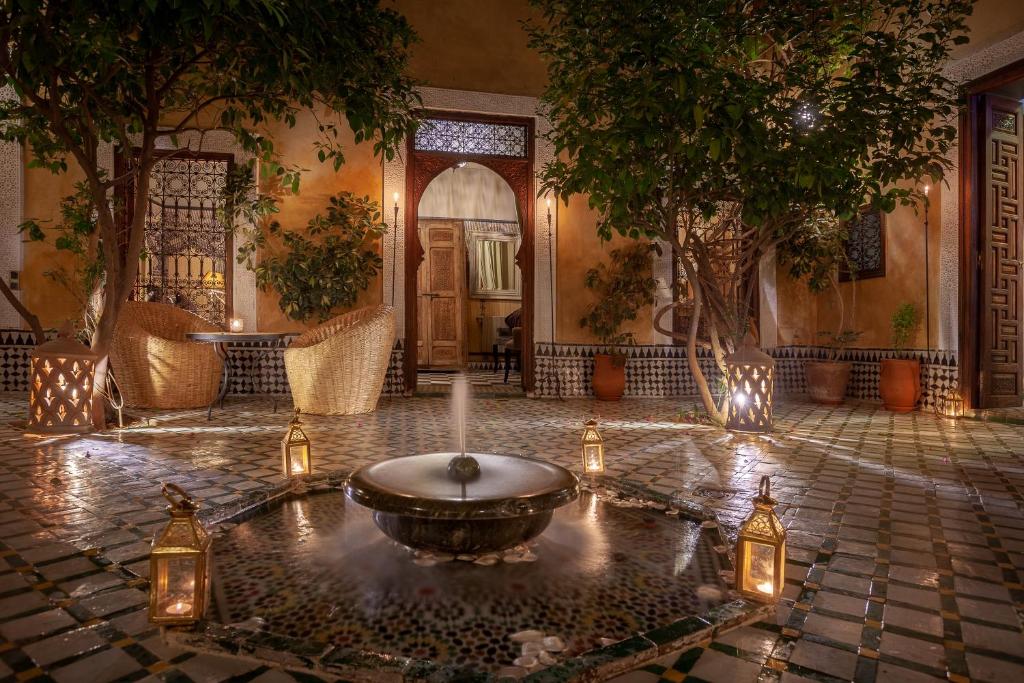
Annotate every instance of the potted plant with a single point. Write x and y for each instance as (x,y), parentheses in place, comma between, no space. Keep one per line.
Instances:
(827,379)
(623,286)
(900,381)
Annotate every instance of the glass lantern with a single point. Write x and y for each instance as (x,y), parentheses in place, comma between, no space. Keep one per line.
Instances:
(761,550)
(751,377)
(236,325)
(950,404)
(593,449)
(295,456)
(179,564)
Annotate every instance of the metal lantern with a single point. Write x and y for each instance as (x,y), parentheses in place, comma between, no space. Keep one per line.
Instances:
(950,404)
(761,550)
(179,564)
(60,387)
(295,456)
(751,379)
(593,449)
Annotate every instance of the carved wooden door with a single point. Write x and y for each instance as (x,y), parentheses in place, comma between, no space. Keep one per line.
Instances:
(441,295)
(1001,346)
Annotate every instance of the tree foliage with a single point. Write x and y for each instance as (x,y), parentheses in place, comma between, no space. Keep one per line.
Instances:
(325,266)
(623,286)
(726,128)
(141,75)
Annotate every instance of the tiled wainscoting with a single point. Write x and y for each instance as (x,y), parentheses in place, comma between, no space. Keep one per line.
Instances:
(661,370)
(253,369)
(651,370)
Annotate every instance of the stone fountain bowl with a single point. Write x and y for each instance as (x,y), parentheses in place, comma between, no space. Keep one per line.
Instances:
(417,503)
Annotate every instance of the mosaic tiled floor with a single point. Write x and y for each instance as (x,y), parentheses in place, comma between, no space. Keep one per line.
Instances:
(482,380)
(318,569)
(906,533)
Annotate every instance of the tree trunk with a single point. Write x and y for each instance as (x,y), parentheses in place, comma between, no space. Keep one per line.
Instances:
(26,315)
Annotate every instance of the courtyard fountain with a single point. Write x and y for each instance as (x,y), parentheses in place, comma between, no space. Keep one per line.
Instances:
(462,502)
(490,567)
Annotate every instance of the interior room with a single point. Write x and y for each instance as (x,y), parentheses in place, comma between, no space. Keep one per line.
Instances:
(469,287)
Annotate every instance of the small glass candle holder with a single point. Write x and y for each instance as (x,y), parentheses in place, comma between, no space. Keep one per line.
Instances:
(236,325)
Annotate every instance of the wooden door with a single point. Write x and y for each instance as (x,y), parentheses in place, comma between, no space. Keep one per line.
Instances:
(1001,347)
(441,295)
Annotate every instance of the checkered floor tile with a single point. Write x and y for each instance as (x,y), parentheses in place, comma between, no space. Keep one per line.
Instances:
(905,554)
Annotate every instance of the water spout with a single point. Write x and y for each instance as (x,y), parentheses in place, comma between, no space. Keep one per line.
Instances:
(462,467)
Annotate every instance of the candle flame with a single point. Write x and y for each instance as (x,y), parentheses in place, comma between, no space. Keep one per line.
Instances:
(395,197)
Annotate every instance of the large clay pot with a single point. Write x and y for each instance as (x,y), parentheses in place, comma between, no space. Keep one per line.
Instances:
(900,384)
(827,380)
(609,377)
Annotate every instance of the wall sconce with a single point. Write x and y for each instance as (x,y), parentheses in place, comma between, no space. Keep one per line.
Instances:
(295,455)
(236,325)
(761,550)
(593,449)
(61,378)
(751,381)
(179,564)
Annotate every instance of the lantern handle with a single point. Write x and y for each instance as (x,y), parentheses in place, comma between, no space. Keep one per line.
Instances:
(764,489)
(183,502)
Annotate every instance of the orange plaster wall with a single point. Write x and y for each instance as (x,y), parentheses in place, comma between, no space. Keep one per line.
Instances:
(361,174)
(475,45)
(870,303)
(50,301)
(579,249)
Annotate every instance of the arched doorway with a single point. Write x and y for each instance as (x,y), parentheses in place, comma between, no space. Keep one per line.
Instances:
(505,145)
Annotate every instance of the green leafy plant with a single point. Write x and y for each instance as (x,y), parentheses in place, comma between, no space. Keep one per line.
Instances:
(148,77)
(623,286)
(324,266)
(905,321)
(728,129)
(836,342)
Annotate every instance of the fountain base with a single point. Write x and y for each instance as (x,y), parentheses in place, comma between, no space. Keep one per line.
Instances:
(462,536)
(417,503)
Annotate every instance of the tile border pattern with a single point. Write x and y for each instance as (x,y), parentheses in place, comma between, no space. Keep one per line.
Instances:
(652,371)
(655,371)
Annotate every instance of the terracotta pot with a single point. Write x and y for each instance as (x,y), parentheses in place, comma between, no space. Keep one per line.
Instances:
(827,380)
(900,384)
(609,377)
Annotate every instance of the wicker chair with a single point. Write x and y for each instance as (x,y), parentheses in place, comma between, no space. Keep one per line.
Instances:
(338,368)
(155,365)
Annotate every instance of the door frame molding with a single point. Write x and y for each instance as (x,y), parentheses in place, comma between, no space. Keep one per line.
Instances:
(971,135)
(422,167)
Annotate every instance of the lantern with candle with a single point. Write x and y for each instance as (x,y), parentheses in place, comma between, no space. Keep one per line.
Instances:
(751,378)
(950,404)
(593,449)
(179,564)
(761,550)
(236,325)
(295,451)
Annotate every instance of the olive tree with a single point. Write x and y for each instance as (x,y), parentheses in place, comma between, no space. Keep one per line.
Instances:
(726,128)
(138,75)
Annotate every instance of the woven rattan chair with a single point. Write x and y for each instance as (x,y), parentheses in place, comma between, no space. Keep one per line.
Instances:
(338,368)
(156,365)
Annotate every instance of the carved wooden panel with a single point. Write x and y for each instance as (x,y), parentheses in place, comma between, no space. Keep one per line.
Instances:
(865,246)
(441,295)
(1001,350)
(442,263)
